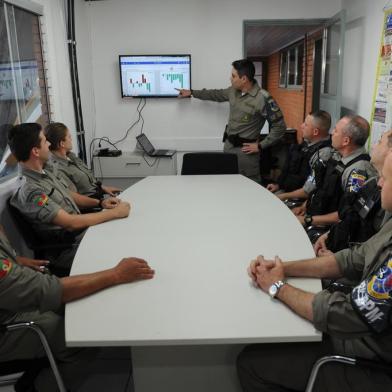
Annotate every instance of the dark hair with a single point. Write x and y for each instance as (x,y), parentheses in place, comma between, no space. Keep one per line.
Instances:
(23,138)
(357,129)
(55,133)
(244,67)
(321,120)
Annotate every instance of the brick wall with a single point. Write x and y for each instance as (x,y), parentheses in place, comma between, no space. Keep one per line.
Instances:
(309,73)
(292,101)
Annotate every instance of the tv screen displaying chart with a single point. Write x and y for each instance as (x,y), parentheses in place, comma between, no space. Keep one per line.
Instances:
(154,75)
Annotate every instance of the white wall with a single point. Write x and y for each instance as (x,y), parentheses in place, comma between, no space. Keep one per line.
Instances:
(210,30)
(364,27)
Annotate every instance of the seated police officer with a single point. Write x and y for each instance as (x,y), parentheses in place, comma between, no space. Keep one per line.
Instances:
(346,171)
(360,214)
(357,324)
(46,203)
(28,295)
(302,157)
(79,177)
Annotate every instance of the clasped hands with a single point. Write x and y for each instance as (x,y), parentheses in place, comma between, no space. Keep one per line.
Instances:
(264,272)
(110,202)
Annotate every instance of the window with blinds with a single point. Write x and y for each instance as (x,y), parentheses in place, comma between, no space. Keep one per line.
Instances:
(291,66)
(23,82)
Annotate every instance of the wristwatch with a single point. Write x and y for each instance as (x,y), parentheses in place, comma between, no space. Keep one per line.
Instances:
(308,220)
(275,287)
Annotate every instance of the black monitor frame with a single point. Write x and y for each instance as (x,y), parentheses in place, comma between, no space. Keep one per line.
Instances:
(152,55)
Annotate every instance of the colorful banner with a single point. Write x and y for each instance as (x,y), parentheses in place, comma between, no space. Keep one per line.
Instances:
(381,119)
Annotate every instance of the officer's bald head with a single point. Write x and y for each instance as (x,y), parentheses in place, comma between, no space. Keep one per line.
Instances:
(23,138)
(357,129)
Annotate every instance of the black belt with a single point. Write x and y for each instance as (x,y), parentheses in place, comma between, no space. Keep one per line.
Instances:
(237,141)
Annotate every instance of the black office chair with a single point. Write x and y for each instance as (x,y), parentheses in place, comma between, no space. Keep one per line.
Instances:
(64,241)
(209,163)
(347,361)
(315,232)
(292,203)
(10,372)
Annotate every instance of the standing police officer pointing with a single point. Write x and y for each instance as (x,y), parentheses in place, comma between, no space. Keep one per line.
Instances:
(250,107)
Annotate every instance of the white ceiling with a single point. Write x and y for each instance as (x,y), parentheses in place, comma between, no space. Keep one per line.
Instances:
(263,40)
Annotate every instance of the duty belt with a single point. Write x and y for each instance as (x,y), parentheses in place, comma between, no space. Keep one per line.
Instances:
(237,141)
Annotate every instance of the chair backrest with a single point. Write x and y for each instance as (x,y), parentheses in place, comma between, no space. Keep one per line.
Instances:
(23,226)
(12,231)
(209,163)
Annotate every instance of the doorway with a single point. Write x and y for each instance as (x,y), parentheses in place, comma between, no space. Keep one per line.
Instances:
(301,63)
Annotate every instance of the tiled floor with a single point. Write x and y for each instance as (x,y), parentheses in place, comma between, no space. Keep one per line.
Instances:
(110,372)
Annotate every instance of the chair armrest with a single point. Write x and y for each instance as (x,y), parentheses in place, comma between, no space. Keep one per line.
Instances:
(292,203)
(337,286)
(14,326)
(34,327)
(347,361)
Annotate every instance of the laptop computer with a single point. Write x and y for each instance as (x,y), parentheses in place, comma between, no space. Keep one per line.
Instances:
(149,149)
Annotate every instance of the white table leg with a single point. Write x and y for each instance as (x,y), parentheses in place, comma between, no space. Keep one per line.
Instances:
(186,368)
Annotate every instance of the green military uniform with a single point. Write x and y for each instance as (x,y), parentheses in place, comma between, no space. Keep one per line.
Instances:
(39,199)
(357,324)
(76,172)
(248,113)
(27,295)
(53,168)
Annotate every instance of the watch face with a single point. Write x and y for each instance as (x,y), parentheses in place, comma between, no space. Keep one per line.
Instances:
(273,290)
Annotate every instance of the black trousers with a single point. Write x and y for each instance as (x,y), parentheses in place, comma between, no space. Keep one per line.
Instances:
(286,367)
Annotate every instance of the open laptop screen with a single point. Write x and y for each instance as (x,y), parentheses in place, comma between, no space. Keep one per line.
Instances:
(145,143)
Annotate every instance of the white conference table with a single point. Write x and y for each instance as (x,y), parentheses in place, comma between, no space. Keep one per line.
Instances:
(187,325)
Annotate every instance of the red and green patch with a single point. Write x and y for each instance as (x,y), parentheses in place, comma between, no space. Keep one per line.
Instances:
(41,200)
(5,267)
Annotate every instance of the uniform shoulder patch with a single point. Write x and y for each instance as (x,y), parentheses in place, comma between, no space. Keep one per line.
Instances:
(372,298)
(356,181)
(5,267)
(40,199)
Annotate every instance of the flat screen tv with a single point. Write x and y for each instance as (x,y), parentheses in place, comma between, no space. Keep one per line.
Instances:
(155,76)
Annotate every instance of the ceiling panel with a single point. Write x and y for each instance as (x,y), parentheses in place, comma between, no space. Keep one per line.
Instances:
(265,40)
